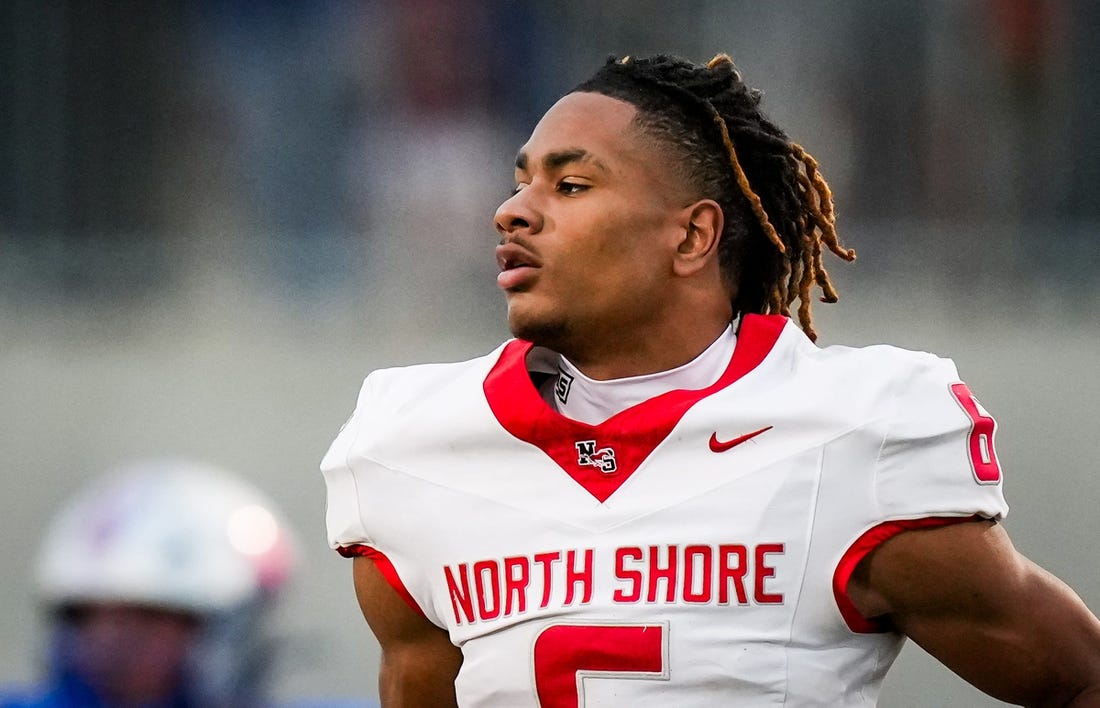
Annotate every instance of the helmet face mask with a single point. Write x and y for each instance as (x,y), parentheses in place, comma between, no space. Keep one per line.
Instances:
(128,654)
(162,575)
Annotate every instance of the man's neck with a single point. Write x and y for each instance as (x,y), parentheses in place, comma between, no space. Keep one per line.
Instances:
(576,396)
(619,356)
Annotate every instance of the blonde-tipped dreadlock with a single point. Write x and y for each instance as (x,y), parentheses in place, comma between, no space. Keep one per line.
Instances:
(779,209)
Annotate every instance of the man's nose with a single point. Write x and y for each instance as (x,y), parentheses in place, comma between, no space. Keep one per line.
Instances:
(517,215)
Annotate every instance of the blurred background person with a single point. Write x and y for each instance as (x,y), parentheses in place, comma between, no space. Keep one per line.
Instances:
(158,582)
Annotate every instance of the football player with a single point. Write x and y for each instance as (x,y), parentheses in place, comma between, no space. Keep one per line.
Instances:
(159,581)
(662,492)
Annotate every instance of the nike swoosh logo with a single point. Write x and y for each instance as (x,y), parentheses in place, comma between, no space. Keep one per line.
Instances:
(717,446)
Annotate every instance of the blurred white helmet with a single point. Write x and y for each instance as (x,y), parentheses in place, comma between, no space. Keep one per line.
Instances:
(176,535)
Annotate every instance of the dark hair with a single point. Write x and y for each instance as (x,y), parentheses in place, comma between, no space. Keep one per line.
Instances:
(778,209)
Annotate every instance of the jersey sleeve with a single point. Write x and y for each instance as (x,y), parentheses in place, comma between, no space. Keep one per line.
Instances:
(936,466)
(344,472)
(937,457)
(343,520)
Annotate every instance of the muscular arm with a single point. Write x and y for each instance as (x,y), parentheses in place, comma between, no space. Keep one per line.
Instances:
(964,594)
(419,663)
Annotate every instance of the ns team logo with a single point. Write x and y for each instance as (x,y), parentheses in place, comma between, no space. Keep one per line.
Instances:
(602,459)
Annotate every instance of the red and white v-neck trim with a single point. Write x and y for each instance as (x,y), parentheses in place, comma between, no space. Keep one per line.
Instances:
(622,442)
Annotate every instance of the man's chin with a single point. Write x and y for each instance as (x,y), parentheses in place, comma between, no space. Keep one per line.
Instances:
(543,331)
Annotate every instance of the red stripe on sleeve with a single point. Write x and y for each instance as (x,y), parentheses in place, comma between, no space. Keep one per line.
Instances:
(386,568)
(866,543)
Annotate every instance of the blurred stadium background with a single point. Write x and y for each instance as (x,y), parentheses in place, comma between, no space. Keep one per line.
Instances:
(217,216)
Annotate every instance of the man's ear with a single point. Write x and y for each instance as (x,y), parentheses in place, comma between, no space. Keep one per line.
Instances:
(702,224)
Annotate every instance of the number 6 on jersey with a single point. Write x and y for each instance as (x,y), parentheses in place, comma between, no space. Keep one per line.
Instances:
(567,654)
(982,427)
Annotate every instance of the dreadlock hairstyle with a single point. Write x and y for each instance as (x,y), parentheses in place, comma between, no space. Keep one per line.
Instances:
(778,208)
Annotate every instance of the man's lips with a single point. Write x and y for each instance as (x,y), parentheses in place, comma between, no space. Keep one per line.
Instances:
(517,266)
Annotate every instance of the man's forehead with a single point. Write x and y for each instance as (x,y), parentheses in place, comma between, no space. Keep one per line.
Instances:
(581,127)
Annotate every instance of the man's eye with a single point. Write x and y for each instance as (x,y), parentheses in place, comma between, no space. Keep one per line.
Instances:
(571,187)
(515,190)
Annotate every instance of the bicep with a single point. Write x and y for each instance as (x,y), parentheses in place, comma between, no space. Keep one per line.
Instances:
(419,662)
(1004,624)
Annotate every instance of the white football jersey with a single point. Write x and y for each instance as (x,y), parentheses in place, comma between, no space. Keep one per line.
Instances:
(693,548)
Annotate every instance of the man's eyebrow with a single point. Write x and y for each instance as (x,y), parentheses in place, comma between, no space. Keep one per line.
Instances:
(556,160)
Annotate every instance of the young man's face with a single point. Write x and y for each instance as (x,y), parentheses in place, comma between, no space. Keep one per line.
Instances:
(588,237)
(131,654)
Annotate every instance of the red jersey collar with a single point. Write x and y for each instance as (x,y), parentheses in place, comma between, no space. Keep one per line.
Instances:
(602,457)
